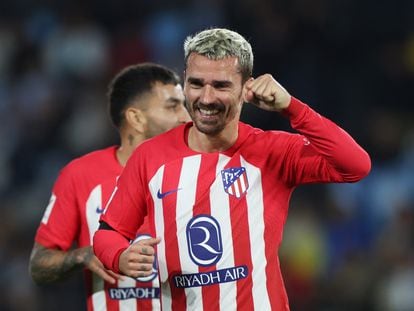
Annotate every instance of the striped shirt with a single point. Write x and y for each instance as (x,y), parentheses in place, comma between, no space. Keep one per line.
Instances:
(78,199)
(221,214)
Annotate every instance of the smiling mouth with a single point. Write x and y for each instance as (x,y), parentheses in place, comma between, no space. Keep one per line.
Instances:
(208,112)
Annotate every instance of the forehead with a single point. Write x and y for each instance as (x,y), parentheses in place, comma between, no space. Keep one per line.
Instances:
(160,95)
(165,91)
(201,67)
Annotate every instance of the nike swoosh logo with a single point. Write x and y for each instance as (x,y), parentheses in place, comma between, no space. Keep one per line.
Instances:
(99,210)
(164,194)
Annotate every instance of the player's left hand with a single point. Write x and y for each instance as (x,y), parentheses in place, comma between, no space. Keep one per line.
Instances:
(266,93)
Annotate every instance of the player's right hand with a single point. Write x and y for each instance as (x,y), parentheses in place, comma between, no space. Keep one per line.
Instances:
(138,259)
(92,262)
(266,93)
(96,266)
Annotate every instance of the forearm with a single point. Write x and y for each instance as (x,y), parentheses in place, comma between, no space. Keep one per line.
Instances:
(108,245)
(51,265)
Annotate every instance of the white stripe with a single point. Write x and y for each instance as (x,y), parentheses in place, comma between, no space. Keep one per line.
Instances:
(127,304)
(166,301)
(220,210)
(112,194)
(236,188)
(184,212)
(49,208)
(99,301)
(154,185)
(242,182)
(230,190)
(92,217)
(93,202)
(156,304)
(255,210)
(98,296)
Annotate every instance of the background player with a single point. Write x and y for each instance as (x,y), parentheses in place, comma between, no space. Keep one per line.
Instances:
(144,100)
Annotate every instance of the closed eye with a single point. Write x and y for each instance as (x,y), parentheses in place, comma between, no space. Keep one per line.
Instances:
(174,103)
(222,84)
(195,83)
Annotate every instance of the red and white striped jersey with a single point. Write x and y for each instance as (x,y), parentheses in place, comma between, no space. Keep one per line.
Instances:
(221,215)
(79,196)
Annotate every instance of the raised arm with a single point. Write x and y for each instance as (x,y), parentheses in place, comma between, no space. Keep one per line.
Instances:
(326,153)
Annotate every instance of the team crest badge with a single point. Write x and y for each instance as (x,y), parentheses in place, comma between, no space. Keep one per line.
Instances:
(235,181)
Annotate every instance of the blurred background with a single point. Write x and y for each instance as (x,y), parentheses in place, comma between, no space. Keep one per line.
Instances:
(346,247)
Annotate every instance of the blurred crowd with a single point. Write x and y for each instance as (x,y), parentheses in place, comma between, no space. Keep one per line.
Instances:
(346,247)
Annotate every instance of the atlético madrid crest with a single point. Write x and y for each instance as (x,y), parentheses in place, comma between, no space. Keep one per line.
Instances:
(235,181)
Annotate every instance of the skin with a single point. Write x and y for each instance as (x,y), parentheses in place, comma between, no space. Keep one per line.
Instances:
(148,115)
(167,109)
(137,260)
(214,94)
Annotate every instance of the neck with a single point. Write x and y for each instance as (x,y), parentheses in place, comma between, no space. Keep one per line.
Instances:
(201,142)
(128,145)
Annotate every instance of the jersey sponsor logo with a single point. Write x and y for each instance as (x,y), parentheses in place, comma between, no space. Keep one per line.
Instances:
(154,273)
(204,240)
(235,181)
(161,195)
(99,210)
(212,277)
(134,293)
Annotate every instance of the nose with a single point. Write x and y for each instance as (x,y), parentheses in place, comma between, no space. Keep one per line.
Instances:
(207,94)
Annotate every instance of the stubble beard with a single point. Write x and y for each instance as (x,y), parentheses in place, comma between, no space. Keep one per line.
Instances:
(213,127)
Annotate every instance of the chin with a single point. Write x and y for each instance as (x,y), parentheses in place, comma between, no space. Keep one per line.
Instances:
(210,130)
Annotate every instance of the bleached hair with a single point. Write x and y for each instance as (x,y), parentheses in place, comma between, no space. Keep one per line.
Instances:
(219,43)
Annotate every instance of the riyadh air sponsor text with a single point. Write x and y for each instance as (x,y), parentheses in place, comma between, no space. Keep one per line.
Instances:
(134,292)
(213,277)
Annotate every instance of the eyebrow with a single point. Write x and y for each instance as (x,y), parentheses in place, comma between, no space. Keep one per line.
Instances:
(215,83)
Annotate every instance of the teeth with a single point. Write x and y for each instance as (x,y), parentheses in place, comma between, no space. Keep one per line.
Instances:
(209,112)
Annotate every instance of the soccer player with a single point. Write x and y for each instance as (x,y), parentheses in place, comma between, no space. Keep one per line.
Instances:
(144,100)
(217,195)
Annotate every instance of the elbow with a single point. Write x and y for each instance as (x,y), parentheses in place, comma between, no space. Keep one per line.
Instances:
(35,275)
(365,166)
(32,274)
(360,169)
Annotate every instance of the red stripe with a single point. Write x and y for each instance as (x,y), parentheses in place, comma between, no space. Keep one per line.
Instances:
(111,304)
(233,189)
(206,176)
(274,218)
(241,247)
(240,187)
(170,182)
(144,304)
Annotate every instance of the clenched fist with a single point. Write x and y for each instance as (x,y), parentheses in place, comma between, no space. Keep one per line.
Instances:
(137,260)
(266,93)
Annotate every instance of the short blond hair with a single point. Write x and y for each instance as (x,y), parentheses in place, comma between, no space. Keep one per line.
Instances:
(219,43)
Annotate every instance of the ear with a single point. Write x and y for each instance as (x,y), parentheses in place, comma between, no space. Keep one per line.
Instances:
(136,119)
